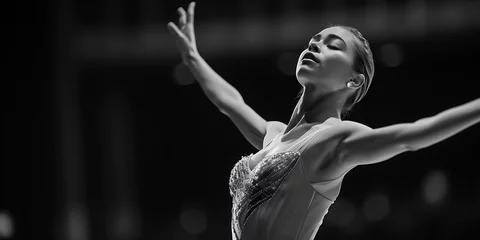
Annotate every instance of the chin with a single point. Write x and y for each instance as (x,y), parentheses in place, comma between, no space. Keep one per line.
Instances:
(302,80)
(304,76)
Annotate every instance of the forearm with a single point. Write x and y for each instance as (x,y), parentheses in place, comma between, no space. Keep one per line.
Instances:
(217,89)
(428,131)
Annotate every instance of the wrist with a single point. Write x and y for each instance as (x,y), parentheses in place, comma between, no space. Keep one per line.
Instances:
(190,57)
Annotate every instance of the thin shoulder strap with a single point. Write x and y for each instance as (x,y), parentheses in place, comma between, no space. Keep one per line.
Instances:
(273,139)
(303,142)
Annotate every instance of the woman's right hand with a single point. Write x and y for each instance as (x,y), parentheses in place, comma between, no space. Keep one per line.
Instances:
(184,34)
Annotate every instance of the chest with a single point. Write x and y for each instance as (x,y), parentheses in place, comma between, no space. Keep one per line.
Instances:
(268,151)
(317,148)
(296,141)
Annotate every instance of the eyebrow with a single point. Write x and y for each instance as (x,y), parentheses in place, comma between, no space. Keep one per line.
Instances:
(318,36)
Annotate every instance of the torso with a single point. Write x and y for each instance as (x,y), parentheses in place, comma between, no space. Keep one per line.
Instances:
(319,156)
(284,190)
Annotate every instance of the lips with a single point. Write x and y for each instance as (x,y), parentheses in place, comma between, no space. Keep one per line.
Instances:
(310,56)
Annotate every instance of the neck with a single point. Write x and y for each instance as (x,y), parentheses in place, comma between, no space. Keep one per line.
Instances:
(317,106)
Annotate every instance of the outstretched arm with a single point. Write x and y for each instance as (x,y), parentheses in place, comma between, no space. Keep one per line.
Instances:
(366,146)
(223,95)
(213,85)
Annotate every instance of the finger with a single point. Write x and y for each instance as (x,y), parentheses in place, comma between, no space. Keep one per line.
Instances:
(173,29)
(191,11)
(183,17)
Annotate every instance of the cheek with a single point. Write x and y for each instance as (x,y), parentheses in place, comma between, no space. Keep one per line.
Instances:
(339,65)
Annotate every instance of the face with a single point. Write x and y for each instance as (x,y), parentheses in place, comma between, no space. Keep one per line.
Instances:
(333,51)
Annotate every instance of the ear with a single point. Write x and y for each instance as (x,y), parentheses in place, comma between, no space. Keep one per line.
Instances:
(356,82)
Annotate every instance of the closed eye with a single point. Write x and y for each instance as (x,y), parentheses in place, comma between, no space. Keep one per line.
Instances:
(329,46)
(333,47)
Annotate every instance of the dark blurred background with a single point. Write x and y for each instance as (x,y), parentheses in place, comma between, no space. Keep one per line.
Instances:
(106,136)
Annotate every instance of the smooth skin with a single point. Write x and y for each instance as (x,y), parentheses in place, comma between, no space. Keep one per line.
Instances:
(327,85)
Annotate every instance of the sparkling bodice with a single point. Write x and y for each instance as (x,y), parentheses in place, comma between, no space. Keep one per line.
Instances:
(251,188)
(275,200)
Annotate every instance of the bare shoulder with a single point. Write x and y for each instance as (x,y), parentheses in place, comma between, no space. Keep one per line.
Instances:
(275,126)
(273,129)
(351,126)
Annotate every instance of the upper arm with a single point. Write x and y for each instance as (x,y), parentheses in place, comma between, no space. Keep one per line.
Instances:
(363,145)
(252,126)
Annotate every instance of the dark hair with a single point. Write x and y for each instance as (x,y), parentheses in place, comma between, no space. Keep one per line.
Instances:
(363,63)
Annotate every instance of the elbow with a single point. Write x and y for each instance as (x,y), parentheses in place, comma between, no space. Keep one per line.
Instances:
(226,101)
(227,105)
(415,146)
(410,136)
(408,145)
(411,148)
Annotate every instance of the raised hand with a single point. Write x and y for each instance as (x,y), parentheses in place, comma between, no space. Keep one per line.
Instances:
(184,33)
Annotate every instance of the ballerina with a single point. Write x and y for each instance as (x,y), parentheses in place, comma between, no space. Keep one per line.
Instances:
(284,190)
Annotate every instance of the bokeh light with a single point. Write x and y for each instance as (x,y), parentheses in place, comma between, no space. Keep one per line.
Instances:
(6,225)
(77,227)
(391,55)
(376,207)
(193,220)
(435,187)
(125,223)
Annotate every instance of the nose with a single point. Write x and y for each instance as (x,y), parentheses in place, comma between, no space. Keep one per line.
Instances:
(313,47)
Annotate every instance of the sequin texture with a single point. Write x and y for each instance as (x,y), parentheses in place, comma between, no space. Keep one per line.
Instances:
(250,188)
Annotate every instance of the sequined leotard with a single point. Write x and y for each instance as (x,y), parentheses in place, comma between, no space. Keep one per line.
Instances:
(275,200)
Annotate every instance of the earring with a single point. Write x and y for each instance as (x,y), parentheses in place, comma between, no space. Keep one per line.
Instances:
(349,84)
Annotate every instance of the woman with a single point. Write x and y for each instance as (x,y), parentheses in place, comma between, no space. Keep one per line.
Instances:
(284,190)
